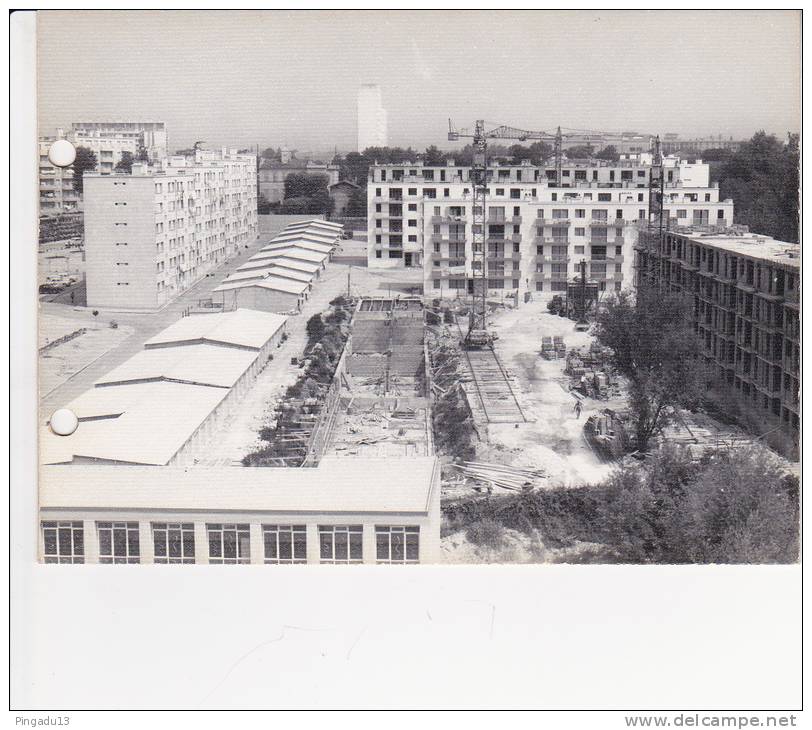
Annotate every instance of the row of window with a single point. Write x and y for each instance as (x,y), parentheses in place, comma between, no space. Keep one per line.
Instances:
(119,542)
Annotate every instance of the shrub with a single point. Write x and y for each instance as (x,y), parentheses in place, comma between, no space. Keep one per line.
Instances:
(486,533)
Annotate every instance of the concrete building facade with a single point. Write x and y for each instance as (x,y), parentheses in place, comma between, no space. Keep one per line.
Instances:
(344,511)
(372,118)
(537,234)
(746,293)
(150,136)
(151,234)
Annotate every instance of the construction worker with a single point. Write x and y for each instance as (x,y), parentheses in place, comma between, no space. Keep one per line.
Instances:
(578,409)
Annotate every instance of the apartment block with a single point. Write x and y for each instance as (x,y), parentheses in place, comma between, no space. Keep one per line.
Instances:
(746,291)
(150,136)
(151,234)
(109,141)
(56,193)
(537,232)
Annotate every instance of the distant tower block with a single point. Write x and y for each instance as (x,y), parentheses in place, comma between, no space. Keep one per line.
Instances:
(371,118)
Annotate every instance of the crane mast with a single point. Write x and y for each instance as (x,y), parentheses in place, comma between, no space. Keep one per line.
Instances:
(478,335)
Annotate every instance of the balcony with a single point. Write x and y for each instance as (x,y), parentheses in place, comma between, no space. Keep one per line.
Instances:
(553,259)
(516,220)
(553,240)
(599,222)
(553,221)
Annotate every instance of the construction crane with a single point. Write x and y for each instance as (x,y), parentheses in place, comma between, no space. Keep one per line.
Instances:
(478,335)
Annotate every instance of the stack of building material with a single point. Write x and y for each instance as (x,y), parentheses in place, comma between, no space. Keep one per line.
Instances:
(501,475)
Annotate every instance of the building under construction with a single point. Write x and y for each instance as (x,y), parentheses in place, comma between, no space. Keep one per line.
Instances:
(746,292)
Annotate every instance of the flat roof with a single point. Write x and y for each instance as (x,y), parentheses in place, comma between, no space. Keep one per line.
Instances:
(751,245)
(337,485)
(243,327)
(203,364)
(143,423)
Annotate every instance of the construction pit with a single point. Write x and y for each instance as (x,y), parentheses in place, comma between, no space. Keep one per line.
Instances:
(382,409)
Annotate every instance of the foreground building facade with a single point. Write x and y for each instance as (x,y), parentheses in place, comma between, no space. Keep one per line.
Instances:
(537,232)
(151,234)
(746,292)
(344,511)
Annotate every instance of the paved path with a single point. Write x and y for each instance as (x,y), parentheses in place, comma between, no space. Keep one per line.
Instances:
(145,325)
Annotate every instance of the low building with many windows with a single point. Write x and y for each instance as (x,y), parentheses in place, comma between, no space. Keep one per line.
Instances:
(746,292)
(152,234)
(537,232)
(345,511)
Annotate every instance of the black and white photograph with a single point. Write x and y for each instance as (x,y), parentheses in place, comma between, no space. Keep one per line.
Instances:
(414,288)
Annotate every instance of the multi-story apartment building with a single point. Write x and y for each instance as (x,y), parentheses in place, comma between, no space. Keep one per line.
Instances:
(56,193)
(150,136)
(537,232)
(108,141)
(746,292)
(151,234)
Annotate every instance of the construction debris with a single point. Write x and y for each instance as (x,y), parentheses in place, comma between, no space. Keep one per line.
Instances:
(500,475)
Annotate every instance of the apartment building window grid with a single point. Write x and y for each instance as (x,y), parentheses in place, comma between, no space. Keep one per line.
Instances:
(397,545)
(118,542)
(229,544)
(340,544)
(285,544)
(173,542)
(64,542)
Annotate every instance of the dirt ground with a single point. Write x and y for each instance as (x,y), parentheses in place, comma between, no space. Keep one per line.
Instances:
(61,362)
(238,435)
(553,438)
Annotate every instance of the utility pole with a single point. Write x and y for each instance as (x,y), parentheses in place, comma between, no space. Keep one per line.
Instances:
(348,281)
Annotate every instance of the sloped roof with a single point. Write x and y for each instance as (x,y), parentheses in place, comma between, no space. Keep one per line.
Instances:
(243,327)
(274,283)
(199,364)
(144,423)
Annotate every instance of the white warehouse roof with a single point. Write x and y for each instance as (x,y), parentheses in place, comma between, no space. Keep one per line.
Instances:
(296,253)
(197,364)
(274,283)
(299,243)
(242,327)
(337,485)
(144,423)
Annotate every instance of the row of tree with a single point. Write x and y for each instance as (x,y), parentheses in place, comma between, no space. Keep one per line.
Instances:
(87,161)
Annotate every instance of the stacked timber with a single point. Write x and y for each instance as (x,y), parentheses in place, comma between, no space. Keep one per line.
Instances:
(500,475)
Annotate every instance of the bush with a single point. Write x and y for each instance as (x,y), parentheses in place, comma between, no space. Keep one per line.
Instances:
(486,533)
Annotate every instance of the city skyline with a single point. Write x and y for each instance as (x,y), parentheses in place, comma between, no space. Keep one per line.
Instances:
(255,95)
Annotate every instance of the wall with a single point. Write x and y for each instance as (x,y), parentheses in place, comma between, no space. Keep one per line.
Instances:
(104,259)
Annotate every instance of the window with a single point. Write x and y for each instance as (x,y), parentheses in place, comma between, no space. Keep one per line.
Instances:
(579,249)
(580,231)
(500,191)
(720,214)
(340,543)
(377,254)
(580,213)
(682,214)
(118,542)
(539,286)
(228,544)
(604,197)
(174,542)
(446,192)
(412,206)
(397,544)
(412,191)
(515,193)
(285,543)
(64,542)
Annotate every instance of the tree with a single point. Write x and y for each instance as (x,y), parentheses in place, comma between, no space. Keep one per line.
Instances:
(315,328)
(302,185)
(125,164)
(580,152)
(433,157)
(143,154)
(85,161)
(608,153)
(356,204)
(187,152)
(716,155)
(263,205)
(354,167)
(763,179)
(655,348)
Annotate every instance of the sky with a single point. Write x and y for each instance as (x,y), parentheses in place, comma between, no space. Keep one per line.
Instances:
(291,78)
